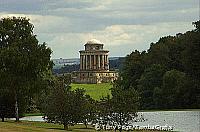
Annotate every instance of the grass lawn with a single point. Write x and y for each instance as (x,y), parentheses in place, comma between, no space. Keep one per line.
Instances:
(96,91)
(27,126)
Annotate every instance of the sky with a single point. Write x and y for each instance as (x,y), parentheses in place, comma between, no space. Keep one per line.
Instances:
(122,25)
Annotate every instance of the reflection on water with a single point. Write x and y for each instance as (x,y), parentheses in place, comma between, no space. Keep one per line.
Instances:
(184,121)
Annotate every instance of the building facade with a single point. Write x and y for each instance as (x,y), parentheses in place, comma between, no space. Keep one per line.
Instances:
(94,65)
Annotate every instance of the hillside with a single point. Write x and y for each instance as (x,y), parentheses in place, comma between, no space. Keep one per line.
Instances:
(96,91)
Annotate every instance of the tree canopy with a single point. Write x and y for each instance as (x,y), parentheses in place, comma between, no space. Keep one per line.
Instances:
(170,64)
(23,61)
(66,106)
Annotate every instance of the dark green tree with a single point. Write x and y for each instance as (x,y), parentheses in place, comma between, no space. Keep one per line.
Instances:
(57,106)
(176,93)
(180,53)
(125,102)
(89,110)
(23,61)
(132,69)
(149,80)
(7,109)
(67,106)
(158,98)
(191,60)
(104,110)
(121,108)
(166,52)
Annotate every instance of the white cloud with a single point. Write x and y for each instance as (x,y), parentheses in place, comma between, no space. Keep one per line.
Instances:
(119,39)
(122,25)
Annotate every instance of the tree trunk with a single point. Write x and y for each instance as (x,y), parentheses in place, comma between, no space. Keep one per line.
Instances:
(65,126)
(2,118)
(85,122)
(120,122)
(16,108)
(115,130)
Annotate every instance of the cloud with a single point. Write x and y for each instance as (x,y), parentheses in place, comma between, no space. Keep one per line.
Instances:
(66,25)
(45,23)
(120,40)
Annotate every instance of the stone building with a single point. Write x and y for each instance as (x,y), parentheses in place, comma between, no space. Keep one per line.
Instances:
(94,65)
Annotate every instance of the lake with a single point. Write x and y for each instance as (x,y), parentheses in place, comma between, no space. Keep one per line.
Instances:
(183,121)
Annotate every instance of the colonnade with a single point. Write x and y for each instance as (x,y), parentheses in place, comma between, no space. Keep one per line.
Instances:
(94,62)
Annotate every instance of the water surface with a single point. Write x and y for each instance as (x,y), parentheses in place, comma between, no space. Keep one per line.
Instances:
(183,121)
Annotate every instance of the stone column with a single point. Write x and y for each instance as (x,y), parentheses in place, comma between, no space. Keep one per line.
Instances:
(95,64)
(83,62)
(103,67)
(99,62)
(80,62)
(86,62)
(90,62)
(107,61)
(104,61)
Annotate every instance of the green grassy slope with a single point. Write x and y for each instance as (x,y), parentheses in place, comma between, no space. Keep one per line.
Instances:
(96,91)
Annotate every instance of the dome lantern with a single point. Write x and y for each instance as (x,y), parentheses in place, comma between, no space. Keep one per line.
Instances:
(94,44)
(94,41)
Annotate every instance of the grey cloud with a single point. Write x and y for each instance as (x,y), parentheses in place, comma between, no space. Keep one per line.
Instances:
(41,6)
(128,13)
(78,4)
(54,18)
(21,6)
(87,22)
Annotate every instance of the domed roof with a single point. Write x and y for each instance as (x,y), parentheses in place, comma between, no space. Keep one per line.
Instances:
(94,41)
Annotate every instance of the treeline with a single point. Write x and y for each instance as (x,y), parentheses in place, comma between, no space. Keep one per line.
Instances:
(167,75)
(116,64)
(66,69)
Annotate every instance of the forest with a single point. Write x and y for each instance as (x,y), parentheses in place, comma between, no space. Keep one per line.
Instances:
(167,75)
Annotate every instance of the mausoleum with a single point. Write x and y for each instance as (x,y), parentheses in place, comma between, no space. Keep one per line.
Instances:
(94,65)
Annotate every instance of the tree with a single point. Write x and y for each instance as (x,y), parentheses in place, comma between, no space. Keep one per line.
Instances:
(166,52)
(6,105)
(104,110)
(67,106)
(89,110)
(132,69)
(149,80)
(158,98)
(57,105)
(23,60)
(191,61)
(125,103)
(180,53)
(119,109)
(175,91)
